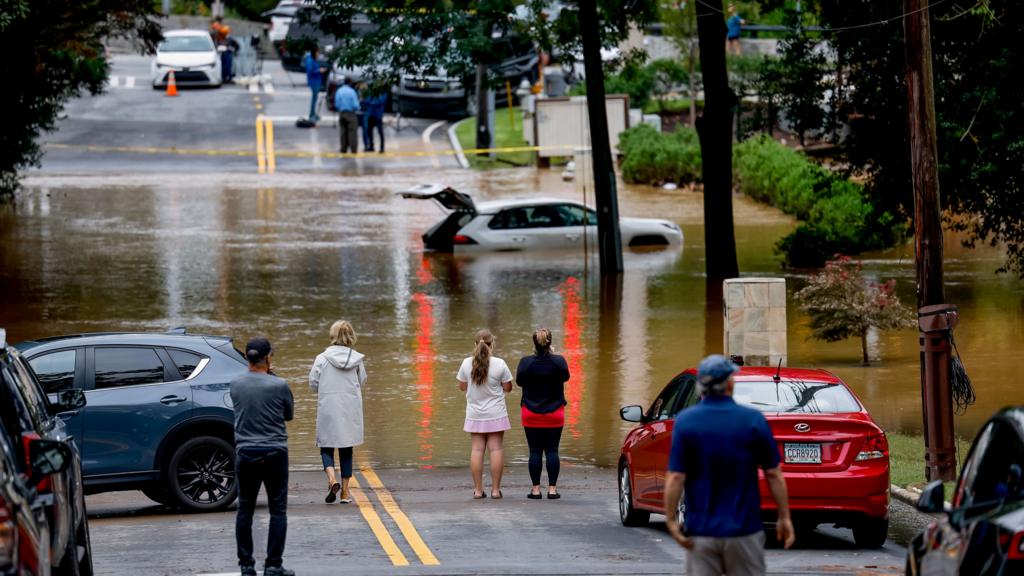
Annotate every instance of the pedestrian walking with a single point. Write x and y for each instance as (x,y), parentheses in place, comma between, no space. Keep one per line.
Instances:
(542,377)
(315,80)
(346,101)
(375,104)
(485,379)
(263,403)
(732,31)
(337,376)
(717,448)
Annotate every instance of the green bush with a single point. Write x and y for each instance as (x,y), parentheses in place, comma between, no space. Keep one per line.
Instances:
(652,157)
(641,82)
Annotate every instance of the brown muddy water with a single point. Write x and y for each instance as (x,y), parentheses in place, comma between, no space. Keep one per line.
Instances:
(285,256)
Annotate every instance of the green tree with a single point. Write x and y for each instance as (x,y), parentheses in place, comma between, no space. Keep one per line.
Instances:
(800,71)
(843,304)
(53,50)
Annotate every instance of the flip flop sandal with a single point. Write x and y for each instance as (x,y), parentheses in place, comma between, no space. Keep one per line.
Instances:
(332,495)
(479,496)
(533,496)
(498,497)
(554,496)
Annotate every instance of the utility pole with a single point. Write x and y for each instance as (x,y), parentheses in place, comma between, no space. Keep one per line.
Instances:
(609,239)
(484,108)
(936,318)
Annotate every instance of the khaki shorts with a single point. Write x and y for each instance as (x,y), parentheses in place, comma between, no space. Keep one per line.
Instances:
(740,556)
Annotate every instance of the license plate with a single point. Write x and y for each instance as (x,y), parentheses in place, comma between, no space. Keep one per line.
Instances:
(802,453)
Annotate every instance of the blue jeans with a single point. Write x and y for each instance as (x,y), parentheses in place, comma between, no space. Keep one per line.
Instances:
(267,467)
(312,104)
(345,454)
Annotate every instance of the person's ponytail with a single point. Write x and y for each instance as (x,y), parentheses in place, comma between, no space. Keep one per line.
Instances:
(482,356)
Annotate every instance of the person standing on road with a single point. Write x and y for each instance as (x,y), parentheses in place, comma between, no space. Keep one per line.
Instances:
(375,104)
(717,447)
(337,377)
(732,31)
(346,101)
(542,377)
(485,379)
(263,403)
(314,79)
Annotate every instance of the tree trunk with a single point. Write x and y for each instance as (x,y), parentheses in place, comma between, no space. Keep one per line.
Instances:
(483,133)
(714,126)
(691,70)
(865,361)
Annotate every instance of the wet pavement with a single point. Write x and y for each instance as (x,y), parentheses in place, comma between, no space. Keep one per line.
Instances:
(427,523)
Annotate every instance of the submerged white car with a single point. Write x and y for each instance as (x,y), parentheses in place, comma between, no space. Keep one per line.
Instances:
(528,223)
(192,56)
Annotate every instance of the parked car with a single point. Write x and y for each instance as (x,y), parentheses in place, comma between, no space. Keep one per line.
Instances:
(35,426)
(304,32)
(191,55)
(24,531)
(527,224)
(835,458)
(983,532)
(281,17)
(158,419)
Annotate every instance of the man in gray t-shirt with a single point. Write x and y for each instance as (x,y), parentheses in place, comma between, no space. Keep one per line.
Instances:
(263,403)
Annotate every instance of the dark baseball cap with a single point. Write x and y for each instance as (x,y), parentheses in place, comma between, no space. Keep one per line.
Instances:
(257,349)
(714,370)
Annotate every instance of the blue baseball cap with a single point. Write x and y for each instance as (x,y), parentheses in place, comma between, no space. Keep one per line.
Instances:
(715,369)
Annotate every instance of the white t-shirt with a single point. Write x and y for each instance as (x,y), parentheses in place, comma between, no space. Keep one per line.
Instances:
(485,401)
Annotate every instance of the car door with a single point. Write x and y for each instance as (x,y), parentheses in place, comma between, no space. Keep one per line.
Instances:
(135,396)
(650,453)
(579,225)
(58,370)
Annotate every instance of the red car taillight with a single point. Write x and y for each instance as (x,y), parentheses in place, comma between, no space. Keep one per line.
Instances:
(875,446)
(1016,549)
(8,537)
(44,486)
(462,240)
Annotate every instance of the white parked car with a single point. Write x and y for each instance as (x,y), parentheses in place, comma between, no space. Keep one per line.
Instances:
(192,56)
(528,223)
(281,17)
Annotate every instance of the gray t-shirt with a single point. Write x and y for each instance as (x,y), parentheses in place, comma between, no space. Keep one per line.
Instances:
(263,403)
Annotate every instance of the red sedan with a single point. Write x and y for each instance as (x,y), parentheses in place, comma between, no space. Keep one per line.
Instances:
(834,457)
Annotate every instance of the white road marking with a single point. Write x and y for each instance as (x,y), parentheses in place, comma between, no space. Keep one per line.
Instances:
(268,88)
(254,88)
(112,81)
(292,119)
(426,140)
(129,81)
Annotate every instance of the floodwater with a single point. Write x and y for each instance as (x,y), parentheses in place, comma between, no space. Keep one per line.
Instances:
(285,256)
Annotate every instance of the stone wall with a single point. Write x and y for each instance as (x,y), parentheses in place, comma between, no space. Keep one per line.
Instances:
(755,320)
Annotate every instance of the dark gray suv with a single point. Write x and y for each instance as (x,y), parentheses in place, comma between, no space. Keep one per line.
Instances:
(158,416)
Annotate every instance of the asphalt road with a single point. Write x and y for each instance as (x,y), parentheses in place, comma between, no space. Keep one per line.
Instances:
(131,127)
(427,523)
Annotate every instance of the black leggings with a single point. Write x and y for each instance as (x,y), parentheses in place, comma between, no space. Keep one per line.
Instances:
(327,455)
(544,440)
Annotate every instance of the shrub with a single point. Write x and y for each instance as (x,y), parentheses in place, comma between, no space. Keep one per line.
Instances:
(652,157)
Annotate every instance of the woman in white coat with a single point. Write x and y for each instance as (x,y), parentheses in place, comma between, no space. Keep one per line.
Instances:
(337,377)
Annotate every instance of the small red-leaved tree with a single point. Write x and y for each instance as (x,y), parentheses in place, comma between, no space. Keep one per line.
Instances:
(843,304)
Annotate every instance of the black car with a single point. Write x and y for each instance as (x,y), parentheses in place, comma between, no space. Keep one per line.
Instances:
(24,531)
(30,420)
(983,532)
(159,417)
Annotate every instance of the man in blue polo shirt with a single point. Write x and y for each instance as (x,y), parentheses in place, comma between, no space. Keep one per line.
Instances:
(717,447)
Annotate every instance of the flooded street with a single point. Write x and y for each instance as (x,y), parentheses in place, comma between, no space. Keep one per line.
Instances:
(288,255)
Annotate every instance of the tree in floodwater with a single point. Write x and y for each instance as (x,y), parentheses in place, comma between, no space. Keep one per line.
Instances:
(52,51)
(843,304)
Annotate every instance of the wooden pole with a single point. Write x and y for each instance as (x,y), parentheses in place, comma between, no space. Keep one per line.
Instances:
(935,387)
(609,239)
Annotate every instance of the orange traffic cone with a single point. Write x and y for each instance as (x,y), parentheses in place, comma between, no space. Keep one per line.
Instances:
(172,87)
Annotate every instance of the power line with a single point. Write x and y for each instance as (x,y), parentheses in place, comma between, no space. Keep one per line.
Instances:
(847,28)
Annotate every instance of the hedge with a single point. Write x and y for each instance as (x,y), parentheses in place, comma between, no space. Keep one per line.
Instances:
(652,157)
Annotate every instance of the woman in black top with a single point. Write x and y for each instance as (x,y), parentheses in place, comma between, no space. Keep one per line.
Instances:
(542,377)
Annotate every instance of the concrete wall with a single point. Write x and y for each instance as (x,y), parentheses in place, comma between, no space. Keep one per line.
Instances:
(240,28)
(755,320)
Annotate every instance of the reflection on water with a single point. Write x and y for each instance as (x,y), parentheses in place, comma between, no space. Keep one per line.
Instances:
(241,258)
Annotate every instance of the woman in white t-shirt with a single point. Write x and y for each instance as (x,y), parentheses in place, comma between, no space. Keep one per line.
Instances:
(485,379)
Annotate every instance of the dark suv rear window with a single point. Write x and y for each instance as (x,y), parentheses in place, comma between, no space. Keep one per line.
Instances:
(185,361)
(56,370)
(127,367)
(796,397)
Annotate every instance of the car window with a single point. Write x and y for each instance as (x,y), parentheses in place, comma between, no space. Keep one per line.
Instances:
(56,370)
(663,407)
(993,472)
(574,215)
(186,44)
(543,216)
(795,396)
(127,367)
(185,361)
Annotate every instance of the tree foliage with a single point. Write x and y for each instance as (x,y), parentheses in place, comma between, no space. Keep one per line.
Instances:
(53,50)
(842,304)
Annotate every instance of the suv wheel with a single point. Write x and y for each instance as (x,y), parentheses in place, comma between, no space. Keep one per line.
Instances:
(201,474)
(627,514)
(871,532)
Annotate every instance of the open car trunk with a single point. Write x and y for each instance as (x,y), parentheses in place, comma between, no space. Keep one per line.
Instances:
(440,236)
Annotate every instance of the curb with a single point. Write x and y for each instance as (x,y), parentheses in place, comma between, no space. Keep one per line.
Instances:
(460,156)
(908,496)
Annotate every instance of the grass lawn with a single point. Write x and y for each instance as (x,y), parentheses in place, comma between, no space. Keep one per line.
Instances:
(906,460)
(508,132)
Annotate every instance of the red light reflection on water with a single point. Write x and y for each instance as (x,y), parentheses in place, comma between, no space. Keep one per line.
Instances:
(423,365)
(570,291)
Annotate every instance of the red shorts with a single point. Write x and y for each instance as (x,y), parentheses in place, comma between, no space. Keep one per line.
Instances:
(554,419)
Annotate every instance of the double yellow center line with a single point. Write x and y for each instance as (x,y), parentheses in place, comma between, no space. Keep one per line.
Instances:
(405,526)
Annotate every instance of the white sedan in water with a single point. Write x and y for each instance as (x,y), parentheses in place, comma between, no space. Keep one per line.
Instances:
(528,223)
(192,56)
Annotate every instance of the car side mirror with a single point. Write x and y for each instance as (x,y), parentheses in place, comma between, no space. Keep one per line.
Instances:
(47,457)
(632,413)
(933,498)
(68,400)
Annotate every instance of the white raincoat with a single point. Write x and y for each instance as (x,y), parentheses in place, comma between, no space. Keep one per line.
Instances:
(337,376)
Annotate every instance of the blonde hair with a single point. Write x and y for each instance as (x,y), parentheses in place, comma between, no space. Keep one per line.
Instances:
(342,334)
(482,356)
(542,341)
